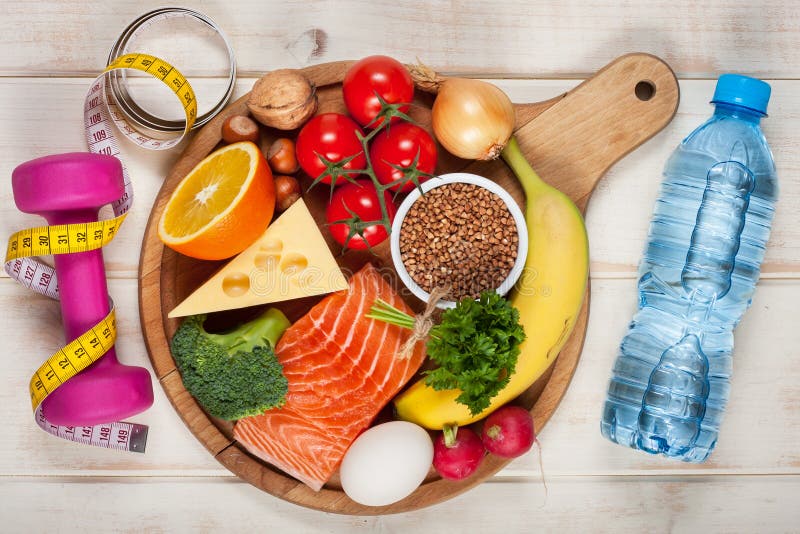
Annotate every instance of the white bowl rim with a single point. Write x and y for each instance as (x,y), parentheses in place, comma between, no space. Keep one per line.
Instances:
(464,178)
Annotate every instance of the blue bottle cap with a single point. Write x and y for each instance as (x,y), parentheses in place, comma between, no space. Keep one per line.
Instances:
(743,91)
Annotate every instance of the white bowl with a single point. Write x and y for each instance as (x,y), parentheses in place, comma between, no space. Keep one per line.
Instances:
(463,178)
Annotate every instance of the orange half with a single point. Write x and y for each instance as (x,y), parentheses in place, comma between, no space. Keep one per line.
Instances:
(222,206)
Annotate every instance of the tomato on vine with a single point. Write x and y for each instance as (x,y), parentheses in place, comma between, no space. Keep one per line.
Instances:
(403,156)
(374,82)
(354,215)
(328,146)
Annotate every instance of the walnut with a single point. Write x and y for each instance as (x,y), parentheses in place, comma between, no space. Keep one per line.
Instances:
(283,99)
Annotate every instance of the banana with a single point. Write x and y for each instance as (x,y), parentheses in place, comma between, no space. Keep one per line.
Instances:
(549,296)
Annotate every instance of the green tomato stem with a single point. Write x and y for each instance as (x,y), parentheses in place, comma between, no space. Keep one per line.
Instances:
(388,111)
(379,187)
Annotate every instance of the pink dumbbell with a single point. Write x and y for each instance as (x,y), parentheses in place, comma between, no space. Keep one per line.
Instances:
(66,189)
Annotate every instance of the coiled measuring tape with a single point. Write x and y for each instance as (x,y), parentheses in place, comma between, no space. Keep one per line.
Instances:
(24,247)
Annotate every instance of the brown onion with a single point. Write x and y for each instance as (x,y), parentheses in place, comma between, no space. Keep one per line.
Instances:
(471,119)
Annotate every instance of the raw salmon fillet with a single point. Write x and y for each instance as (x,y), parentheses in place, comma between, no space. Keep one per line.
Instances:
(342,370)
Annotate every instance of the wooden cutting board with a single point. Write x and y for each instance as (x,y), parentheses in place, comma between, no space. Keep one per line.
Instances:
(571,140)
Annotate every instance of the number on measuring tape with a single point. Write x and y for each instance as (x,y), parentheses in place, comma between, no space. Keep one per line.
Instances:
(25,246)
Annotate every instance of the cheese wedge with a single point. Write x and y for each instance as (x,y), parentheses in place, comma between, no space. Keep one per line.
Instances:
(290,260)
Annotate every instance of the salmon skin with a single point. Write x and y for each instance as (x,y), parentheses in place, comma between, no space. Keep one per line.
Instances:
(342,368)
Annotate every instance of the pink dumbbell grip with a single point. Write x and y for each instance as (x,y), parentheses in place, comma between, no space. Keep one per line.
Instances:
(82,283)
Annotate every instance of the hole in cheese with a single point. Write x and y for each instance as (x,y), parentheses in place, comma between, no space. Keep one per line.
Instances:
(272,245)
(236,284)
(293,264)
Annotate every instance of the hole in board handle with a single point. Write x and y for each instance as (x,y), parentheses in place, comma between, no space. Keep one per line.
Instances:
(645,90)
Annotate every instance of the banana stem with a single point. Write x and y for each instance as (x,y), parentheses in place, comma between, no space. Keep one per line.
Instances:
(527,177)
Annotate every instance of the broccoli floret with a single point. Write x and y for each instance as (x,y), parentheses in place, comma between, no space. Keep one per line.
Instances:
(235,374)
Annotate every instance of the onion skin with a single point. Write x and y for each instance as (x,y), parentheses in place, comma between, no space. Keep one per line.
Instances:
(472,119)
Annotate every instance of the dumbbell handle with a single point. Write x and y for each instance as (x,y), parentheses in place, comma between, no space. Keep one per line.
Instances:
(82,287)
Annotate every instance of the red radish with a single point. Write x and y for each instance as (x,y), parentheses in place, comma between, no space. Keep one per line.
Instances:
(508,432)
(457,452)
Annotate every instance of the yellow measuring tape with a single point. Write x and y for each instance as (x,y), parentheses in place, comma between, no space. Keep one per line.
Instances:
(73,358)
(62,238)
(25,246)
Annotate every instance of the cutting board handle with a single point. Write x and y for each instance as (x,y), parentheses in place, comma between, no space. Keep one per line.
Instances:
(575,141)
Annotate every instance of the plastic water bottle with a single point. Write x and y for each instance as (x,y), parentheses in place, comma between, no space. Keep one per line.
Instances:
(706,243)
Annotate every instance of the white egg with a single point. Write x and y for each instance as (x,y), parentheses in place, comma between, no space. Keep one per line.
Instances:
(386,463)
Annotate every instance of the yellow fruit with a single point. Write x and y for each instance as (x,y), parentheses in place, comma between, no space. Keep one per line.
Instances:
(549,296)
(222,206)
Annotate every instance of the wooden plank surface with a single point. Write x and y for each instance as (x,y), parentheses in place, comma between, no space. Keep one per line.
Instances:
(752,481)
(570,504)
(569,38)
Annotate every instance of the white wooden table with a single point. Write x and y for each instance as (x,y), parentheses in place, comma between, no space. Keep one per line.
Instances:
(534,49)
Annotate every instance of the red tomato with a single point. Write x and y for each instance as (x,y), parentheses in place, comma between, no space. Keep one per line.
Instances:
(333,136)
(361,198)
(399,145)
(382,74)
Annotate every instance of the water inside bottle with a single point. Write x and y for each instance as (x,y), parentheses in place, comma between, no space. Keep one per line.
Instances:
(707,239)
